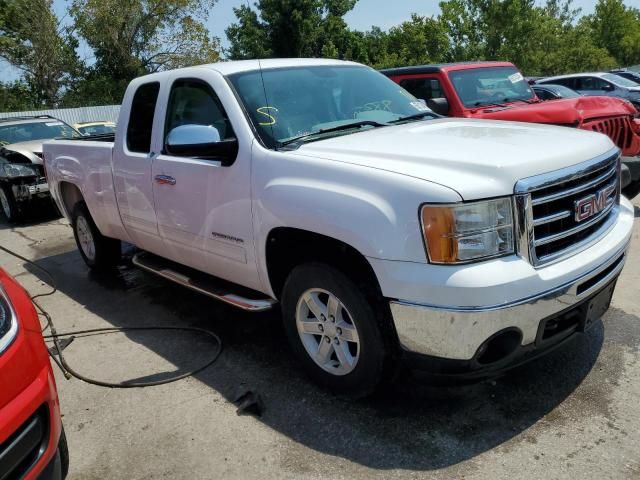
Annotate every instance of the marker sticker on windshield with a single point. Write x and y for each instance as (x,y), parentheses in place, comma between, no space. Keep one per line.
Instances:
(420,106)
(516,77)
(52,124)
(265,111)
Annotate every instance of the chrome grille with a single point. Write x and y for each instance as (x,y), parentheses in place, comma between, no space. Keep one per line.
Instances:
(561,212)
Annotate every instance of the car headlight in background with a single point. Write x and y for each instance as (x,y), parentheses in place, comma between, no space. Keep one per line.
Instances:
(468,231)
(13,170)
(8,322)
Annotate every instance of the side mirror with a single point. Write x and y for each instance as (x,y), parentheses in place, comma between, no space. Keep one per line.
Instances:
(201,141)
(439,105)
(608,87)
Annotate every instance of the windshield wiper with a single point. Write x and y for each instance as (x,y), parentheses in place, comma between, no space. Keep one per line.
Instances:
(346,126)
(531,100)
(489,104)
(415,116)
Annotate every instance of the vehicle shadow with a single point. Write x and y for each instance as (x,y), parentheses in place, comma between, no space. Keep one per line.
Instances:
(411,425)
(45,212)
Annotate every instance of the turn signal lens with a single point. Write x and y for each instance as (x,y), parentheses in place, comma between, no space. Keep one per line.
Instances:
(468,231)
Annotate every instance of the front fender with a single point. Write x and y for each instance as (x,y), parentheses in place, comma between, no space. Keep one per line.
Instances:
(372,210)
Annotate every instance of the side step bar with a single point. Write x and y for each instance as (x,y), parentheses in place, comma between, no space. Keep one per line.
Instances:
(202,283)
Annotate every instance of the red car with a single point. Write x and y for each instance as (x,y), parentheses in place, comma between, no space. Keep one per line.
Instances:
(32,440)
(498,91)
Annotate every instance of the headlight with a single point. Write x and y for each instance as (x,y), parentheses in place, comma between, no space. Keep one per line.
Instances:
(468,231)
(8,322)
(13,170)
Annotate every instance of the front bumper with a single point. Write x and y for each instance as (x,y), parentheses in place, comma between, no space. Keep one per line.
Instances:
(451,312)
(27,191)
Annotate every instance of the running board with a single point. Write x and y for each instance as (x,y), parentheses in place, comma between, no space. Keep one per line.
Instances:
(203,283)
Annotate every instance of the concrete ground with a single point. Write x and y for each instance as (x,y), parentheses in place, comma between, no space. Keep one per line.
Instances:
(572,414)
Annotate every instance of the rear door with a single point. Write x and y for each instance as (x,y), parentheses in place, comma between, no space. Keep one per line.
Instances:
(132,160)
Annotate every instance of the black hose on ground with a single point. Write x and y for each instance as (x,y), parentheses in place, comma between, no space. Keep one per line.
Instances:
(69,372)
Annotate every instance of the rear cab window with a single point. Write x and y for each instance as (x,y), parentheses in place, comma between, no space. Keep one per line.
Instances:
(140,124)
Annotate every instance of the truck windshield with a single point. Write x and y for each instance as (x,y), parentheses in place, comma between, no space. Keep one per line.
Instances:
(291,103)
(490,86)
(24,132)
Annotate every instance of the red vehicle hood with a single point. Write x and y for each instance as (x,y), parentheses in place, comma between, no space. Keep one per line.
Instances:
(569,111)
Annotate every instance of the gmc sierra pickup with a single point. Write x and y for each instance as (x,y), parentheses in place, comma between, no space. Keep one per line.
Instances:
(383,231)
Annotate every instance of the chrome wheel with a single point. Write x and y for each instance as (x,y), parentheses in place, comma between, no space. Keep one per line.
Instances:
(4,201)
(85,238)
(327,331)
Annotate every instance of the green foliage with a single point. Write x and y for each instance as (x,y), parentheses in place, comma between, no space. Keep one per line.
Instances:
(33,40)
(290,28)
(134,37)
(616,28)
(16,97)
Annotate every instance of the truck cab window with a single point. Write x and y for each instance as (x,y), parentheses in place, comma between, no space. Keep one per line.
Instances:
(192,102)
(140,124)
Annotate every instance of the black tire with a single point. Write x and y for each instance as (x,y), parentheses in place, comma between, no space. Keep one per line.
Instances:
(63,450)
(631,190)
(106,251)
(375,357)
(9,206)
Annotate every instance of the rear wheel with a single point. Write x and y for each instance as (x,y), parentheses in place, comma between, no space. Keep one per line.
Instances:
(334,330)
(63,450)
(97,251)
(9,205)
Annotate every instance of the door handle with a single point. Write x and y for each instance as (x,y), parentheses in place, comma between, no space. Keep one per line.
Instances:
(165,180)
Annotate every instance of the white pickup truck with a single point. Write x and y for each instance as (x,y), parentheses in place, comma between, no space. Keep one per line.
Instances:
(383,231)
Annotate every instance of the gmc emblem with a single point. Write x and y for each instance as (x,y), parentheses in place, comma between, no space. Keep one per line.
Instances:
(596,202)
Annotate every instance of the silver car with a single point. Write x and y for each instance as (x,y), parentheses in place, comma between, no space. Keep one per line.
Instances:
(22,178)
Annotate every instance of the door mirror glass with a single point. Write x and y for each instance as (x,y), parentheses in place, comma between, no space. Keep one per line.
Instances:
(201,141)
(439,105)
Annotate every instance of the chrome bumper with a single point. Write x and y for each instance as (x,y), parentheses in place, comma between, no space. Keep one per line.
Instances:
(458,332)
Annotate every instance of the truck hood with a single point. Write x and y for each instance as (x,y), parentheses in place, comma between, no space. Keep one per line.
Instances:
(476,158)
(568,111)
(31,149)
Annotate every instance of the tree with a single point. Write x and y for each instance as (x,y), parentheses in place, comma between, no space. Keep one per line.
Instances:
(290,28)
(33,40)
(616,28)
(16,96)
(134,37)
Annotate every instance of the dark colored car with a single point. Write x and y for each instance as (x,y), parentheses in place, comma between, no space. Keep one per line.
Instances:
(553,92)
(22,176)
(599,84)
(628,74)
(32,440)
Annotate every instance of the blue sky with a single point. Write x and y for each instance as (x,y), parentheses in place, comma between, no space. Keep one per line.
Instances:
(382,13)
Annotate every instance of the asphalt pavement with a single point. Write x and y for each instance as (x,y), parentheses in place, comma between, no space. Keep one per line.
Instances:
(572,414)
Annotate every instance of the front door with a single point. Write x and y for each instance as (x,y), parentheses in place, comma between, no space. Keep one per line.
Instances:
(203,208)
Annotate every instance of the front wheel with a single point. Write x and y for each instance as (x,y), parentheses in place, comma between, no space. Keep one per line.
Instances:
(97,251)
(334,330)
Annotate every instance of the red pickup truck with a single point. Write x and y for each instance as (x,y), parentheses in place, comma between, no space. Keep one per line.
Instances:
(498,91)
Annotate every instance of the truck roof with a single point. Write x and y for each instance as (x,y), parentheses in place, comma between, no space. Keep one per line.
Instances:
(443,67)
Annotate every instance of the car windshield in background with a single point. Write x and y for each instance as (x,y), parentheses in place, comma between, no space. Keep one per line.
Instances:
(490,86)
(621,81)
(24,132)
(307,100)
(97,129)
